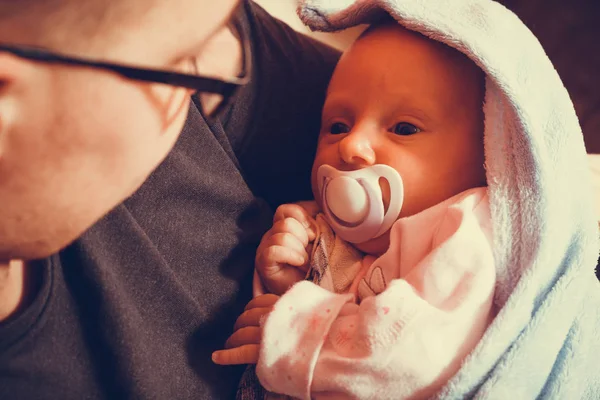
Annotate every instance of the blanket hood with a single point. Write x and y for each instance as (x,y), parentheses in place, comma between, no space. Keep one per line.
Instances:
(545,230)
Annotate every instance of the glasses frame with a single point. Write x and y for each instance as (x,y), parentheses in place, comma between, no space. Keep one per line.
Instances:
(198,83)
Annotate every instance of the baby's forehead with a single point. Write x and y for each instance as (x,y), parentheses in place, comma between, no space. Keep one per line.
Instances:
(395,46)
(394,67)
(397,38)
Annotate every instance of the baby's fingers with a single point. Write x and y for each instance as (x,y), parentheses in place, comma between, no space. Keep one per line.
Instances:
(289,240)
(244,336)
(293,227)
(251,317)
(297,213)
(262,301)
(247,354)
(275,258)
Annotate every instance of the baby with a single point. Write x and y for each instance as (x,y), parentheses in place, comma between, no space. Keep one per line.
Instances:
(397,249)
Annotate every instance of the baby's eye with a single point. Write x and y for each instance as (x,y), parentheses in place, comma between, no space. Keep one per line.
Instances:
(405,129)
(338,128)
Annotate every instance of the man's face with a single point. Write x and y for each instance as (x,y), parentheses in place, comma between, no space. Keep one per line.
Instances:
(401,100)
(75,142)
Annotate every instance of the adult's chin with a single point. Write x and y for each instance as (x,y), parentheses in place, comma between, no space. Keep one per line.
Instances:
(42,240)
(33,249)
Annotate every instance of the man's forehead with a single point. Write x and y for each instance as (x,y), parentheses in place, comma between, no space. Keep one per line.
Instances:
(171,27)
(200,18)
(48,22)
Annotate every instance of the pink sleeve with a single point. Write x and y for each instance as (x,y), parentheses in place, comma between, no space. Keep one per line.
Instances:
(408,340)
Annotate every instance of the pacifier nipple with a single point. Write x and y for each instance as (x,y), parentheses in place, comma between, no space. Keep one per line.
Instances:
(347,199)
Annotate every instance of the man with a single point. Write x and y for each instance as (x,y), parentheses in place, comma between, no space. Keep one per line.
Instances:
(118,280)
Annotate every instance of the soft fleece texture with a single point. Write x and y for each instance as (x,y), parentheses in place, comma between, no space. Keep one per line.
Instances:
(544,341)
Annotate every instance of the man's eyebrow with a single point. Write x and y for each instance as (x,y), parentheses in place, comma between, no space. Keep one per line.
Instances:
(235,12)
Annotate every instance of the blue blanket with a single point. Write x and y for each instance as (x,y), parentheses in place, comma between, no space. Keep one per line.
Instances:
(545,340)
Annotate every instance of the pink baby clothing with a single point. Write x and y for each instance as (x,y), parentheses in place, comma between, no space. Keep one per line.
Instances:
(393,327)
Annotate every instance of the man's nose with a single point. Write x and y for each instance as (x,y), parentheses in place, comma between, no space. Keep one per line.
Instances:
(357,148)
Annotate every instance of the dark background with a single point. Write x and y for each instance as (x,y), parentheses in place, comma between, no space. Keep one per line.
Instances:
(569,31)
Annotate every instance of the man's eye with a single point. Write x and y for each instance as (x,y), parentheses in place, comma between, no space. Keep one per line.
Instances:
(338,128)
(405,129)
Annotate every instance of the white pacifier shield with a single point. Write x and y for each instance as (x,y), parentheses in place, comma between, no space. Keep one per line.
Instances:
(355,206)
(353,201)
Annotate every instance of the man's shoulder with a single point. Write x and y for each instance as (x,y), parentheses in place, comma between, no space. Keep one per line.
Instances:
(278,36)
(276,119)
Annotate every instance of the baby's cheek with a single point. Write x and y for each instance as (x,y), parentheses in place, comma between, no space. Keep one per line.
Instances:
(314,183)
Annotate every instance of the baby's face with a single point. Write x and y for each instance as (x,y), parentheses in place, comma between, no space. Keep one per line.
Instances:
(399,99)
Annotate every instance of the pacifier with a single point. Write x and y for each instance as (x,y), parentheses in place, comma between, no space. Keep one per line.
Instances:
(353,202)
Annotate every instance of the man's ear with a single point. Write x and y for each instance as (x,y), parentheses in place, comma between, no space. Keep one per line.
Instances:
(12,74)
(12,68)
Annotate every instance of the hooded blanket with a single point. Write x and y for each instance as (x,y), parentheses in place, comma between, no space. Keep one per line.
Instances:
(545,338)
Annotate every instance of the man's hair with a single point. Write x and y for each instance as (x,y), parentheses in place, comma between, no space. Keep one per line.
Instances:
(63,22)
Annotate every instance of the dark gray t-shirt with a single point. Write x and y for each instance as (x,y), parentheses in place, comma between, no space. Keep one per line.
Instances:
(135,307)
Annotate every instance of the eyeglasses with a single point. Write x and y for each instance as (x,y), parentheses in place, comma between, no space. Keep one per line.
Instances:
(225,89)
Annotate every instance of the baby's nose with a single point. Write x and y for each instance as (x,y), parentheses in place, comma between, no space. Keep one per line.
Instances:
(356,149)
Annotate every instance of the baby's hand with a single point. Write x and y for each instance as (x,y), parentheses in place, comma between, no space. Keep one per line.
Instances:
(243,346)
(282,257)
